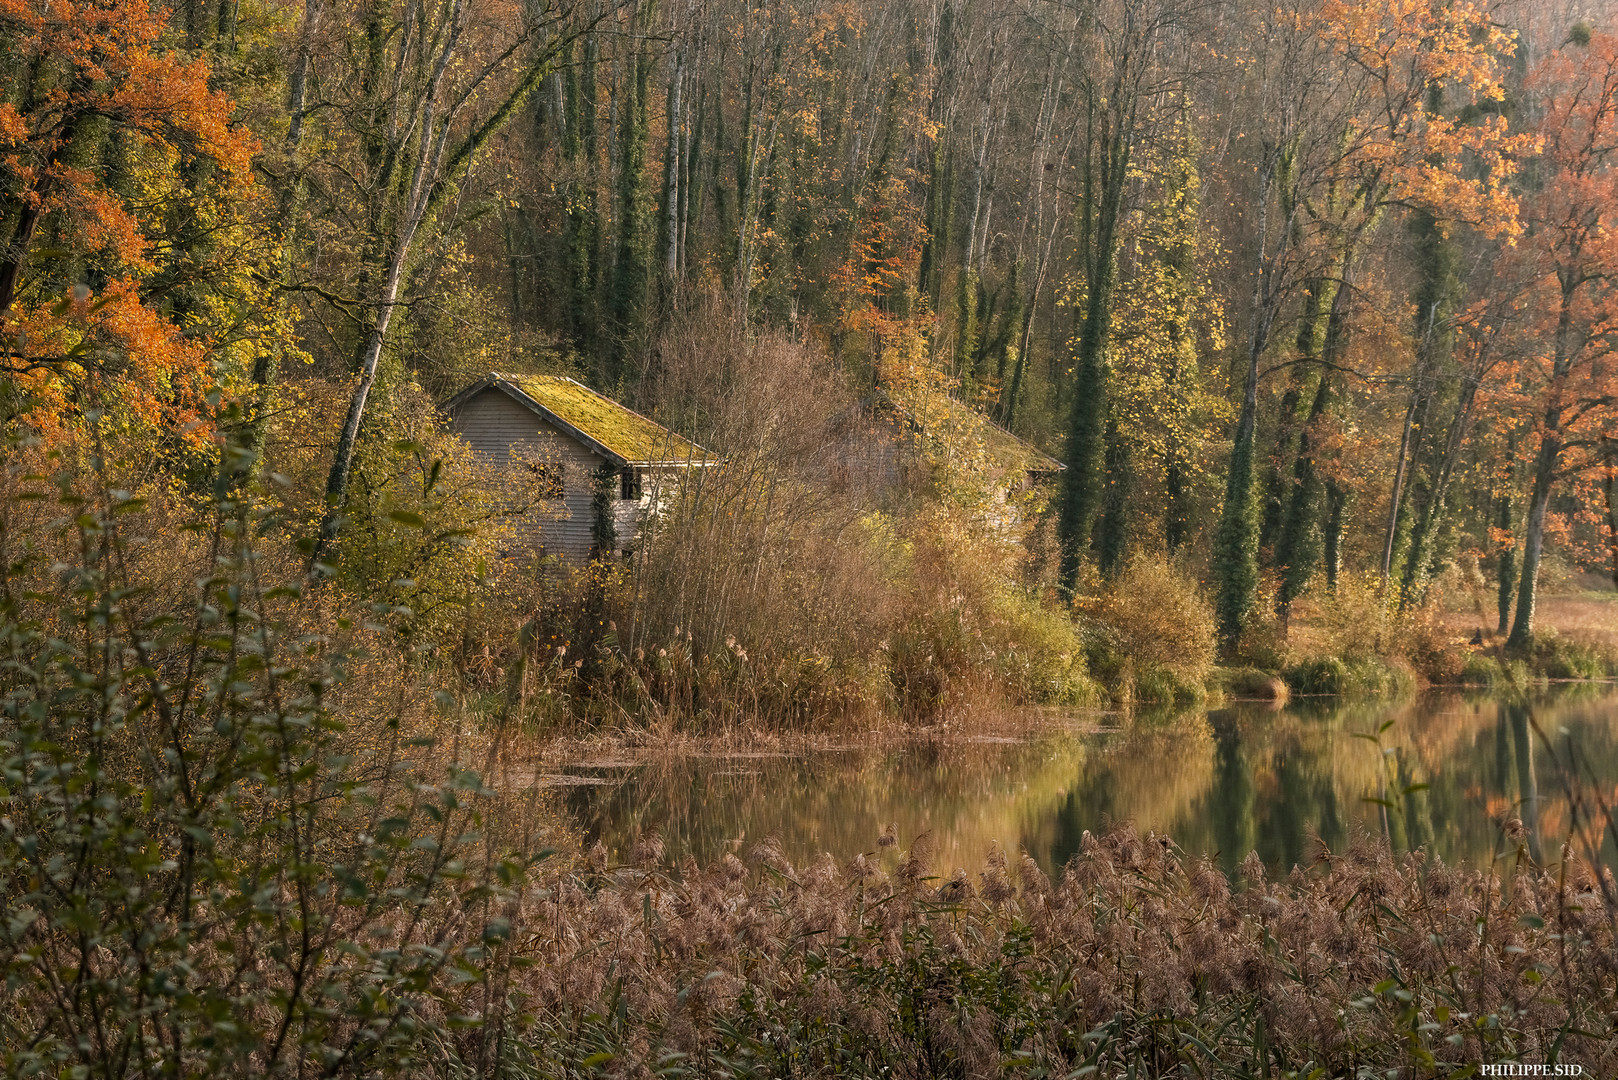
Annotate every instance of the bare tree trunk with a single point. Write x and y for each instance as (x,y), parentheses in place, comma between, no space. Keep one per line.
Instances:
(671,184)
(1409,443)
(429,159)
(1545,463)
(1522,628)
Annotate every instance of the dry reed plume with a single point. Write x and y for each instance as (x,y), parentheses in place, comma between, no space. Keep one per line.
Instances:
(1137,961)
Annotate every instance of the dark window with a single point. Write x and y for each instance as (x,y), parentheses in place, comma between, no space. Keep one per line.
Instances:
(547,479)
(629,484)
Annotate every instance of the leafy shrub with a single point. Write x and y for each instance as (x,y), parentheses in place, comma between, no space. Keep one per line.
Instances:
(967,627)
(205,868)
(1381,677)
(1481,669)
(425,521)
(1041,661)
(1161,686)
(1357,622)
(1264,642)
(1322,675)
(1152,618)
(1553,656)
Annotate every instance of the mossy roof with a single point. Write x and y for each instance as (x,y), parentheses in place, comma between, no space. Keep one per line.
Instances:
(1009,450)
(1005,450)
(622,432)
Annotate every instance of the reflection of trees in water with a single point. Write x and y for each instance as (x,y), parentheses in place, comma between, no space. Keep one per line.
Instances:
(1515,716)
(967,797)
(1229,781)
(1153,775)
(1455,767)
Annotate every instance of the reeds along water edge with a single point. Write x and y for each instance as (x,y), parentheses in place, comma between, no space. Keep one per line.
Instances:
(1136,960)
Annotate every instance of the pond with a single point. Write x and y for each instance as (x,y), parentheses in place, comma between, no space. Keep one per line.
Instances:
(1440,771)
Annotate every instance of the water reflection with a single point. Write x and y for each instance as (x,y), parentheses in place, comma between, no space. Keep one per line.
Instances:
(1443,775)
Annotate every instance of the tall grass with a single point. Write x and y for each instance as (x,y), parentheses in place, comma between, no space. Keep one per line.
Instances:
(1137,961)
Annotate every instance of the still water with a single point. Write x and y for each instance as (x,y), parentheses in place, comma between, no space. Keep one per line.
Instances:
(1445,773)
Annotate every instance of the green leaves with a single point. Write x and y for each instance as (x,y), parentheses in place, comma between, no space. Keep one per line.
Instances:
(231,877)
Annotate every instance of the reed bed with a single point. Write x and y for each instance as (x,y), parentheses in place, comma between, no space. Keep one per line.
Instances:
(1137,961)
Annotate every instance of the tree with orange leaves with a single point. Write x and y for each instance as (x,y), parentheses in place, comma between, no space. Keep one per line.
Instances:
(1392,82)
(99,115)
(1566,387)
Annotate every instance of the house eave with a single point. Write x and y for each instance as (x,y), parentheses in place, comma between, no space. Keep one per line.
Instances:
(675,463)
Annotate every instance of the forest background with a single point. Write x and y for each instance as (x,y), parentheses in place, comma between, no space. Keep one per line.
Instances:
(1313,302)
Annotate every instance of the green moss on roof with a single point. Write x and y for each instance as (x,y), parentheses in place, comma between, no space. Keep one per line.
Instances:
(625,432)
(1014,452)
(956,419)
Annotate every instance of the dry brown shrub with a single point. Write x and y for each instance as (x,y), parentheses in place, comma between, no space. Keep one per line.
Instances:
(774,552)
(1155,616)
(1432,646)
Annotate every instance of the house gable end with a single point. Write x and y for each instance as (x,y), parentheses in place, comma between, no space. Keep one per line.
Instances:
(496,383)
(515,439)
(495,422)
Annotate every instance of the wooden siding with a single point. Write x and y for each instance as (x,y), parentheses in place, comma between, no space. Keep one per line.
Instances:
(515,439)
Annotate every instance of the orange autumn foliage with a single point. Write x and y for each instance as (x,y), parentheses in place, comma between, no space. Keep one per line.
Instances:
(85,72)
(1400,149)
(1565,383)
(110,350)
(1563,388)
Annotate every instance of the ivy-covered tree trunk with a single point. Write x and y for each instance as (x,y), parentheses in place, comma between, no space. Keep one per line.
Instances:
(604,487)
(1106,173)
(631,270)
(1002,349)
(1236,541)
(1301,542)
(935,239)
(1431,514)
(1112,528)
(1416,524)
(581,237)
(1332,541)
(1506,570)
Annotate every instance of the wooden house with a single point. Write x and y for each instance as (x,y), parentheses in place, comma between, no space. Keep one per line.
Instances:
(556,444)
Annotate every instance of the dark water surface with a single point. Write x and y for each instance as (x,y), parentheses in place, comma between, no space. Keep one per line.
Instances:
(1448,771)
